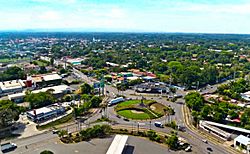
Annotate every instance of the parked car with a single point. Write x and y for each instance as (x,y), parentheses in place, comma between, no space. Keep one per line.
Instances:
(8,147)
(55,131)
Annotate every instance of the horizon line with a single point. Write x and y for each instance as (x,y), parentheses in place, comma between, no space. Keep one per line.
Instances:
(63,30)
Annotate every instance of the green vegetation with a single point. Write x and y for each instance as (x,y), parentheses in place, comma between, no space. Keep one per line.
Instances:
(12,73)
(9,112)
(138,116)
(41,63)
(132,109)
(67,118)
(46,152)
(12,60)
(86,88)
(245,119)
(172,141)
(97,131)
(40,99)
(89,101)
(233,89)
(217,111)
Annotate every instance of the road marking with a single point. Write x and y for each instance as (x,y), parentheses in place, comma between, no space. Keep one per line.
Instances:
(76,151)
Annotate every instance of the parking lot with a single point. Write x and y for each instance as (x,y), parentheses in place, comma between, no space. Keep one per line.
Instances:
(95,146)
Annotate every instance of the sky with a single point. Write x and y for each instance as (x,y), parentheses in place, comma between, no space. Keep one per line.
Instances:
(191,16)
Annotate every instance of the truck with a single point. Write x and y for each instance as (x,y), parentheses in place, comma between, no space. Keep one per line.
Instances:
(115,101)
(6,147)
(158,124)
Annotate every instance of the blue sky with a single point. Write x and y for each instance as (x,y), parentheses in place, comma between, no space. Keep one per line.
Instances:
(205,16)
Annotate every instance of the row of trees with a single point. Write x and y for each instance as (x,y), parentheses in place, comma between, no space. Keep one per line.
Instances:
(85,135)
(12,73)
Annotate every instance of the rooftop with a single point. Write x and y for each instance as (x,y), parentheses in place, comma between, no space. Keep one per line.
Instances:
(44,110)
(8,85)
(50,77)
(243,139)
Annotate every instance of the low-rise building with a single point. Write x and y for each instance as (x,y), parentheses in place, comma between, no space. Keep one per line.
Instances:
(46,79)
(242,142)
(57,91)
(11,86)
(45,113)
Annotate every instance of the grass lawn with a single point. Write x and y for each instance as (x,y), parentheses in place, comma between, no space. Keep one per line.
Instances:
(159,108)
(9,60)
(129,114)
(41,63)
(155,110)
(132,102)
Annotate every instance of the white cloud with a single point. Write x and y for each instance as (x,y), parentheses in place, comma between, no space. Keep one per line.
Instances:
(49,16)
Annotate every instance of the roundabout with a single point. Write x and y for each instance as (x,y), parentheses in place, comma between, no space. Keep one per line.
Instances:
(141,109)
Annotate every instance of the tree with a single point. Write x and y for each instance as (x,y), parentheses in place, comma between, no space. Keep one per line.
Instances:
(245,117)
(172,141)
(9,112)
(85,97)
(86,88)
(194,100)
(40,99)
(12,73)
(46,152)
(52,60)
(62,133)
(95,101)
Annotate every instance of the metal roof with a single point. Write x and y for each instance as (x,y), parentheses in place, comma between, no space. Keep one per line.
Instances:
(118,144)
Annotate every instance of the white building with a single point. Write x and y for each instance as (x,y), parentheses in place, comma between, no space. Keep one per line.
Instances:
(243,142)
(11,86)
(56,90)
(45,113)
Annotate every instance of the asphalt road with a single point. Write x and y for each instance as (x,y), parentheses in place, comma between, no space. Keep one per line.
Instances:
(192,137)
(136,145)
(48,140)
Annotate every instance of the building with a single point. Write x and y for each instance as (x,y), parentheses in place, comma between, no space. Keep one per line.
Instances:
(246,96)
(11,86)
(52,79)
(46,80)
(45,113)
(218,129)
(242,142)
(57,91)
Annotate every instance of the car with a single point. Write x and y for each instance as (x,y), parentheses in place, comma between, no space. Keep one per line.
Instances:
(205,141)
(55,131)
(7,147)
(125,119)
(188,149)
(209,149)
(158,124)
